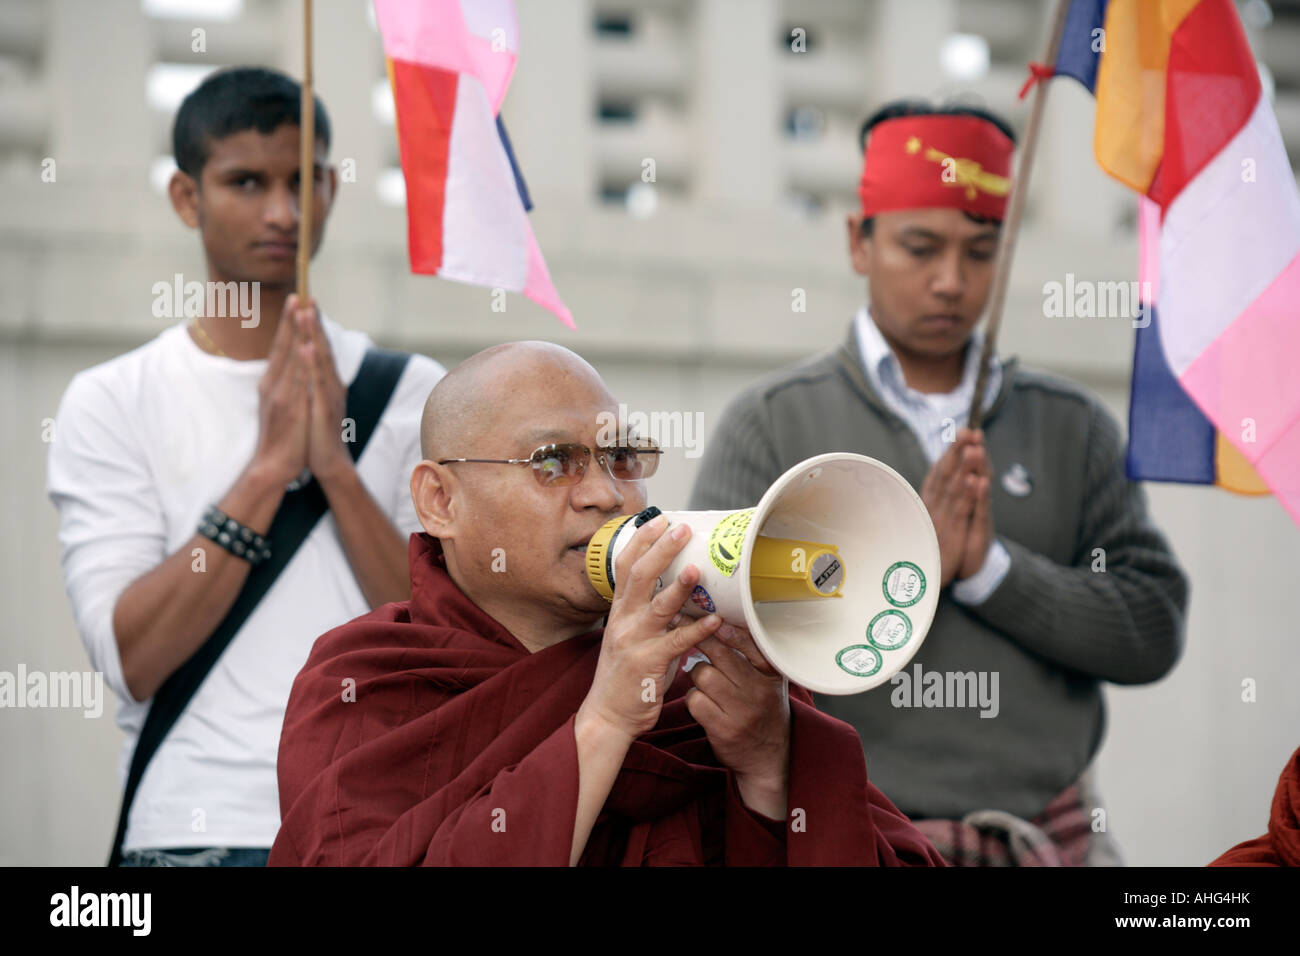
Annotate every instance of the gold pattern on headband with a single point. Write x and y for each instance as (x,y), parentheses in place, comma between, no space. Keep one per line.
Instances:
(965,172)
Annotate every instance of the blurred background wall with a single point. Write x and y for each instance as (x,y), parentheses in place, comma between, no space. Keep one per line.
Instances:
(683,290)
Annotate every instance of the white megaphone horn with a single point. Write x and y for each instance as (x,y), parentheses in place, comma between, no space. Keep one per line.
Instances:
(835,571)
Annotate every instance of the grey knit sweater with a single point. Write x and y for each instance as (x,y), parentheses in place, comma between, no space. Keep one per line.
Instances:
(1054,628)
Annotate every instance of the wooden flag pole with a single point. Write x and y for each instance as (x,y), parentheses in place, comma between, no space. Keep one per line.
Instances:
(1011,227)
(306,156)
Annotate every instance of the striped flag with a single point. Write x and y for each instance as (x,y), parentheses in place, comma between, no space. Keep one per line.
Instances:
(450,63)
(1170,438)
(1183,121)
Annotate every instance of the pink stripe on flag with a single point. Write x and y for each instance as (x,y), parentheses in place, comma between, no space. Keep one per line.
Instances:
(1149,249)
(1248,372)
(539,287)
(1279,466)
(434,33)
(1225,240)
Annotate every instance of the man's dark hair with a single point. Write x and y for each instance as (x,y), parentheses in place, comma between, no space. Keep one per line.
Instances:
(923,108)
(231,101)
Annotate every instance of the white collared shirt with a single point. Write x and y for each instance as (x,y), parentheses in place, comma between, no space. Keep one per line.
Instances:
(933,418)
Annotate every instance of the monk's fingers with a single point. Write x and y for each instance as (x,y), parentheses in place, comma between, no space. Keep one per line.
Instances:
(724,665)
(704,709)
(635,549)
(742,642)
(650,567)
(680,640)
(739,691)
(669,601)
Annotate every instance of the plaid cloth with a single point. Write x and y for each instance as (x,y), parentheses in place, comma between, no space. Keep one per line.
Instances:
(1061,835)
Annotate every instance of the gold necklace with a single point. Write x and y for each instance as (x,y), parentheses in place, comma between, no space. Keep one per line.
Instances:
(212,346)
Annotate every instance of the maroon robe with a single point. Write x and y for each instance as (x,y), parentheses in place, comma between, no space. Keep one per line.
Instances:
(459,749)
(1280,846)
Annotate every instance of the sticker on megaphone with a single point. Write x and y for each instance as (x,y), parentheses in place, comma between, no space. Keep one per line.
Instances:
(781,569)
(828,571)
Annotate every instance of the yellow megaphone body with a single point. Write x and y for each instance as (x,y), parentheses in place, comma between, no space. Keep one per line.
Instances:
(835,571)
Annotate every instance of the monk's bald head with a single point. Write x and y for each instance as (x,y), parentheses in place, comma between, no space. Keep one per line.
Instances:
(485,396)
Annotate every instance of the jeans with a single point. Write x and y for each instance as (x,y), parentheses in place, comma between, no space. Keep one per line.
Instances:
(197,856)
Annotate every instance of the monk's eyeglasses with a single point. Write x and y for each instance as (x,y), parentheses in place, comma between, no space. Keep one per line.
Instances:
(566,463)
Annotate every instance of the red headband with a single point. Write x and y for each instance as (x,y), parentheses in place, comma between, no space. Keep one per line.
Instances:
(919,162)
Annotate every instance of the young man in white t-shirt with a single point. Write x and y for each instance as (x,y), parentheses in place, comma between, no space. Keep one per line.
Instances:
(228,411)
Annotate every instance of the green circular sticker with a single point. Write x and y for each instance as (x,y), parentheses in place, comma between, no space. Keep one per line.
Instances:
(889,630)
(859,660)
(904,584)
(727,539)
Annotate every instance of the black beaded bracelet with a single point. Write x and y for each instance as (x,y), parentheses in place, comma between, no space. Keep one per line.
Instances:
(240,540)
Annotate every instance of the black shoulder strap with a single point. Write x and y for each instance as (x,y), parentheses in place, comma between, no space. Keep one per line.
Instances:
(368,396)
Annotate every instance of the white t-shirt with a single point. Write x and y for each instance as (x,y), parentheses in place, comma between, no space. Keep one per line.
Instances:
(143,444)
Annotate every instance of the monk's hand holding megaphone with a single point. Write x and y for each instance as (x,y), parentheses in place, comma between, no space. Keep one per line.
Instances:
(743,704)
(641,648)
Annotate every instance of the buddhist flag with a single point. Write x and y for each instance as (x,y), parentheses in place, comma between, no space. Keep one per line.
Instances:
(1183,121)
(450,63)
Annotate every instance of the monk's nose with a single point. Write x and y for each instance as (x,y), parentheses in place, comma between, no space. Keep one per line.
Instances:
(598,489)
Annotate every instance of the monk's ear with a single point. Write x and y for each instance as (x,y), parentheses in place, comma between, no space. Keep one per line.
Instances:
(431,493)
(860,246)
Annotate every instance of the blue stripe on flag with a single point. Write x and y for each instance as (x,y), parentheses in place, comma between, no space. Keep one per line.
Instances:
(1169,437)
(1076,57)
(514,167)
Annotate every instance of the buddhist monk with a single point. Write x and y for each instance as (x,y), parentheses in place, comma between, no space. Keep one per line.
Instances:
(506,714)
(1280,846)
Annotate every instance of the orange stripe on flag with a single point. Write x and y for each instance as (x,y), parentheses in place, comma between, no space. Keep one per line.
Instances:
(1130,131)
(392,88)
(1233,472)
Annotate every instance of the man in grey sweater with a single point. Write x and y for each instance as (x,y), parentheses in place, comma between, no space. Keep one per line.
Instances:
(1054,577)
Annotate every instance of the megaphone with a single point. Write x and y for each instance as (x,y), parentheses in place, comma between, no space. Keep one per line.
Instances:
(835,571)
